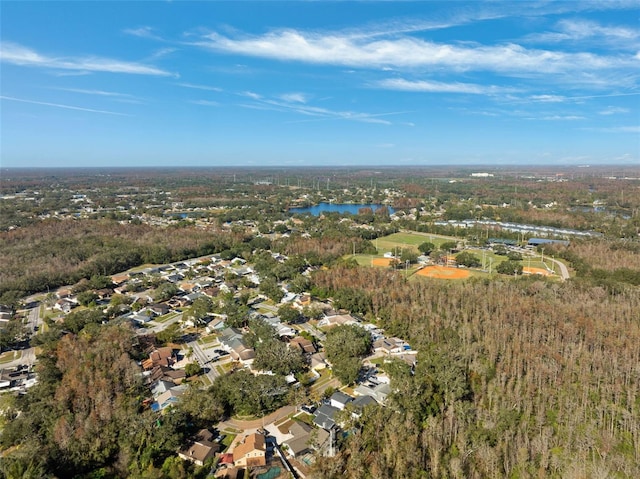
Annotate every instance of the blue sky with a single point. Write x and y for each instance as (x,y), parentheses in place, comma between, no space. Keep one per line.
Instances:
(319,83)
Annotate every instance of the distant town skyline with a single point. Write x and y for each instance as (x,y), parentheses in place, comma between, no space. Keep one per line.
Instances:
(319,83)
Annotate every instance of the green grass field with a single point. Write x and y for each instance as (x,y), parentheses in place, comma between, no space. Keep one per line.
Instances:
(166,317)
(409,240)
(9,356)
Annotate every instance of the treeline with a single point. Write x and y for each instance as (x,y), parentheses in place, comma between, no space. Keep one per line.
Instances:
(614,265)
(522,378)
(54,253)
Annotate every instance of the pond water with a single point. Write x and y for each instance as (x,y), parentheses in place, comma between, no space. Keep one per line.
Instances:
(316,210)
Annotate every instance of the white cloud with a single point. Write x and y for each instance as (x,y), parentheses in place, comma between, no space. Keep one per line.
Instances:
(436,87)
(581,30)
(162,52)
(205,102)
(318,113)
(23,56)
(294,97)
(613,110)
(548,98)
(199,87)
(251,94)
(97,92)
(142,32)
(561,118)
(408,52)
(58,105)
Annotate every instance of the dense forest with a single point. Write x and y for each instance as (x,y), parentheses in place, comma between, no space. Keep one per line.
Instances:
(514,379)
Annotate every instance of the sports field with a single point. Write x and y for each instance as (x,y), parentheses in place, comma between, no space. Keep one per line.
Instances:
(381,261)
(443,272)
(540,271)
(408,240)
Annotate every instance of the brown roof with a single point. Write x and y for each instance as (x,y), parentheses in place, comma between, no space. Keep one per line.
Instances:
(251,443)
(304,344)
(200,451)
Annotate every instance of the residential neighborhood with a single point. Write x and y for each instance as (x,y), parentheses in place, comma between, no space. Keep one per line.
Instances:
(291,441)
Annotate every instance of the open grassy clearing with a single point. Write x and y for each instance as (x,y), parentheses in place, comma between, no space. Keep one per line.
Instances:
(212,338)
(409,240)
(9,356)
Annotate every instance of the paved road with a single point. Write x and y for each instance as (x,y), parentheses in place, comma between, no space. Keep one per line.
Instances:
(233,423)
(203,360)
(564,272)
(27,356)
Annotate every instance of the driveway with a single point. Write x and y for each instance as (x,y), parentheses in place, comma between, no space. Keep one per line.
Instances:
(234,423)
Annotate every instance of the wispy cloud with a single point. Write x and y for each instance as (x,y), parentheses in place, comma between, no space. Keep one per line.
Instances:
(548,98)
(205,102)
(438,87)
(560,118)
(58,105)
(143,32)
(613,110)
(571,30)
(318,113)
(199,87)
(294,97)
(97,92)
(162,52)
(251,94)
(408,52)
(119,97)
(19,55)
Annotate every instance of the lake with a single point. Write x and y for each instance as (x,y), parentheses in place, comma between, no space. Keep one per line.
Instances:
(336,208)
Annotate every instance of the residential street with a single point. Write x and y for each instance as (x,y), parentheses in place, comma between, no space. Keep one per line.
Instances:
(204,360)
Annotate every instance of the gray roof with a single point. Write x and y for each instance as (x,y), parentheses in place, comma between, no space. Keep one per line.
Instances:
(341,398)
(324,416)
(362,401)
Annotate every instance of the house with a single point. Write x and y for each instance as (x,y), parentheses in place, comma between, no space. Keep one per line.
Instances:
(64,293)
(159,357)
(340,400)
(304,300)
(378,391)
(119,278)
(337,320)
(168,398)
(231,340)
(104,294)
(200,448)
(65,305)
(360,403)
(388,345)
(216,325)
(303,344)
(141,317)
(159,308)
(318,361)
(252,452)
(304,438)
(324,417)
(160,386)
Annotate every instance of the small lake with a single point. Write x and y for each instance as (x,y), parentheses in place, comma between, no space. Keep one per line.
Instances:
(351,208)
